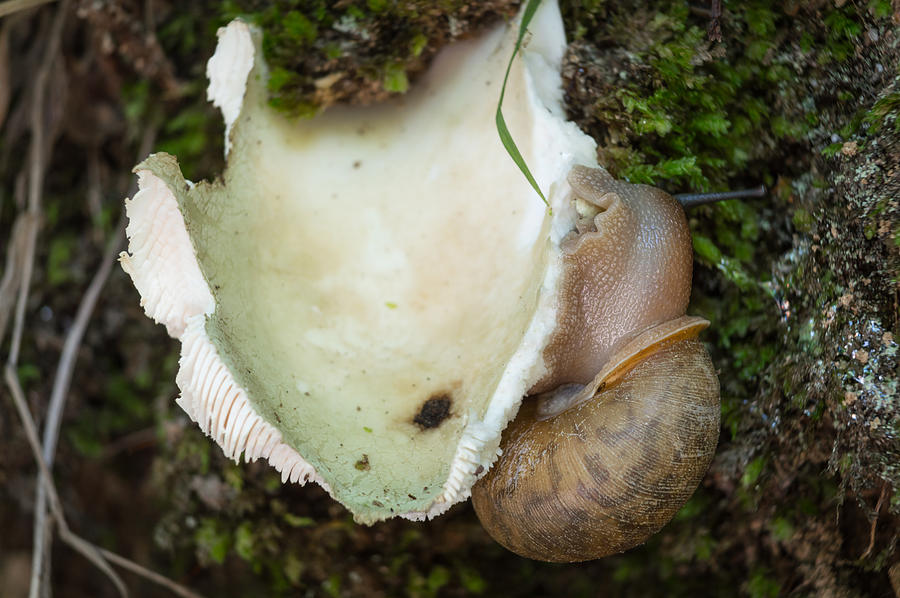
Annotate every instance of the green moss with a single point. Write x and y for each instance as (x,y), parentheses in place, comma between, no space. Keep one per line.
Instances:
(212,540)
(803,220)
(297,521)
(332,586)
(470,579)
(58,258)
(244,542)
(362,51)
(711,108)
(427,586)
(752,472)
(886,110)
(395,79)
(191,134)
(782,529)
(298,28)
(762,584)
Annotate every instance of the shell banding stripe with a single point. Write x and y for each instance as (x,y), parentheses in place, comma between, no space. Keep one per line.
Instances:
(603,476)
(623,360)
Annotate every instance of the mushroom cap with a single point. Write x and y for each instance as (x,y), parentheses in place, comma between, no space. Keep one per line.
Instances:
(364,297)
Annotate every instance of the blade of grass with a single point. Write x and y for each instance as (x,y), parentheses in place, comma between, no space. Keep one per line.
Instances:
(502,129)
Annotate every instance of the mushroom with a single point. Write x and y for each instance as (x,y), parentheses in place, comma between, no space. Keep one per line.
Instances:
(365,297)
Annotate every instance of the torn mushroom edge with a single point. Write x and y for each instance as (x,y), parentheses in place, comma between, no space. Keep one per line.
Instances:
(165,271)
(564,145)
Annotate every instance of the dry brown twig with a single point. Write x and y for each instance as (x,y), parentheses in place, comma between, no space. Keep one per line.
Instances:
(98,556)
(66,365)
(11,6)
(87,549)
(874,525)
(9,285)
(94,553)
(21,256)
(4,72)
(36,170)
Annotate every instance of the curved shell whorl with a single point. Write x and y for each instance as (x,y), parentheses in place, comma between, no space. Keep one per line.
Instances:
(602,477)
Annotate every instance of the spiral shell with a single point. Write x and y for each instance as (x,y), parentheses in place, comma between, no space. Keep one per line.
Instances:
(604,475)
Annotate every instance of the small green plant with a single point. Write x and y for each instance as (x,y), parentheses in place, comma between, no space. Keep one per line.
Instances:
(502,129)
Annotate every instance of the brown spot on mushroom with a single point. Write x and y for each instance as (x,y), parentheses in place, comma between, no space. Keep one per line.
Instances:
(434,411)
(363,464)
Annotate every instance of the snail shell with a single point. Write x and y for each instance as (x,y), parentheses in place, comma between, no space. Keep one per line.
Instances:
(627,419)
(605,475)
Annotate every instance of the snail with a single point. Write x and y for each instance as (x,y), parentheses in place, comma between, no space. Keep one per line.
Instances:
(625,423)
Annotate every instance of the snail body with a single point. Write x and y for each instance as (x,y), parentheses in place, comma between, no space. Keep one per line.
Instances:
(622,428)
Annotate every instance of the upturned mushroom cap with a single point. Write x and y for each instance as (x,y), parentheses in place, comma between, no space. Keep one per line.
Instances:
(364,298)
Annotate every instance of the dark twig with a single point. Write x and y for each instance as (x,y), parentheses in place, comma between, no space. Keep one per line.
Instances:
(36,169)
(149,575)
(24,250)
(31,219)
(95,554)
(713,13)
(67,357)
(871,546)
(63,378)
(689,200)
(11,6)
(714,29)
(9,285)
(76,542)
